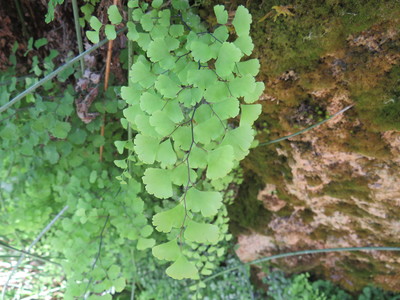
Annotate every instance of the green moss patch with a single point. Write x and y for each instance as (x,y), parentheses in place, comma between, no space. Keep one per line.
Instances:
(357,187)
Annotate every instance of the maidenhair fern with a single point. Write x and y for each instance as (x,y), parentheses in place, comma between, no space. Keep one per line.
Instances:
(186,82)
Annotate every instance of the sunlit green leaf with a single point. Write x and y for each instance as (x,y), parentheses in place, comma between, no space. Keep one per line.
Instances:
(242,21)
(132,34)
(251,66)
(95,23)
(110,32)
(242,86)
(255,95)
(181,269)
(156,3)
(162,123)
(201,232)
(166,220)
(249,113)
(220,162)
(151,102)
(113,15)
(145,243)
(158,182)
(167,251)
(166,154)
(166,86)
(93,36)
(206,202)
(228,55)
(245,44)
(60,129)
(146,148)
(240,139)
(221,14)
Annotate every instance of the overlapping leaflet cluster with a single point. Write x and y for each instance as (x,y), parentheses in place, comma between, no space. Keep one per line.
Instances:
(183,88)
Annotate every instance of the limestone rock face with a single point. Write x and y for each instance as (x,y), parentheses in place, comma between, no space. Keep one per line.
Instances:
(337,185)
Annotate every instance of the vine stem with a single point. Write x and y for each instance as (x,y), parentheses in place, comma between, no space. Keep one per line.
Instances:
(106,79)
(4,245)
(78,33)
(21,258)
(130,63)
(304,252)
(50,76)
(306,129)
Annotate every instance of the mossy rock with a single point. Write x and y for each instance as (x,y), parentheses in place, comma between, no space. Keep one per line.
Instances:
(247,212)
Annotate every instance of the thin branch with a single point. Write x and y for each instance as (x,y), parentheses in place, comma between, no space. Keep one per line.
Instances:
(21,258)
(98,251)
(306,129)
(40,258)
(78,33)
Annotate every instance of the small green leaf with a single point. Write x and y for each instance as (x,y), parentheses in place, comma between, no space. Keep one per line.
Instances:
(95,23)
(220,162)
(167,251)
(110,32)
(217,92)
(147,22)
(162,123)
(198,158)
(228,56)
(255,95)
(133,3)
(164,221)
(201,51)
(146,147)
(121,163)
(208,130)
(201,78)
(167,86)
(119,284)
(226,109)
(151,102)
(207,202)
(113,272)
(113,15)
(240,139)
(176,30)
(120,145)
(158,50)
(144,243)
(182,137)
(251,66)
(40,42)
(182,268)
(166,154)
(242,86)
(156,3)
(132,34)
(201,232)
(158,182)
(242,21)
(221,14)
(250,113)
(146,231)
(60,129)
(93,176)
(93,36)
(142,74)
(245,44)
